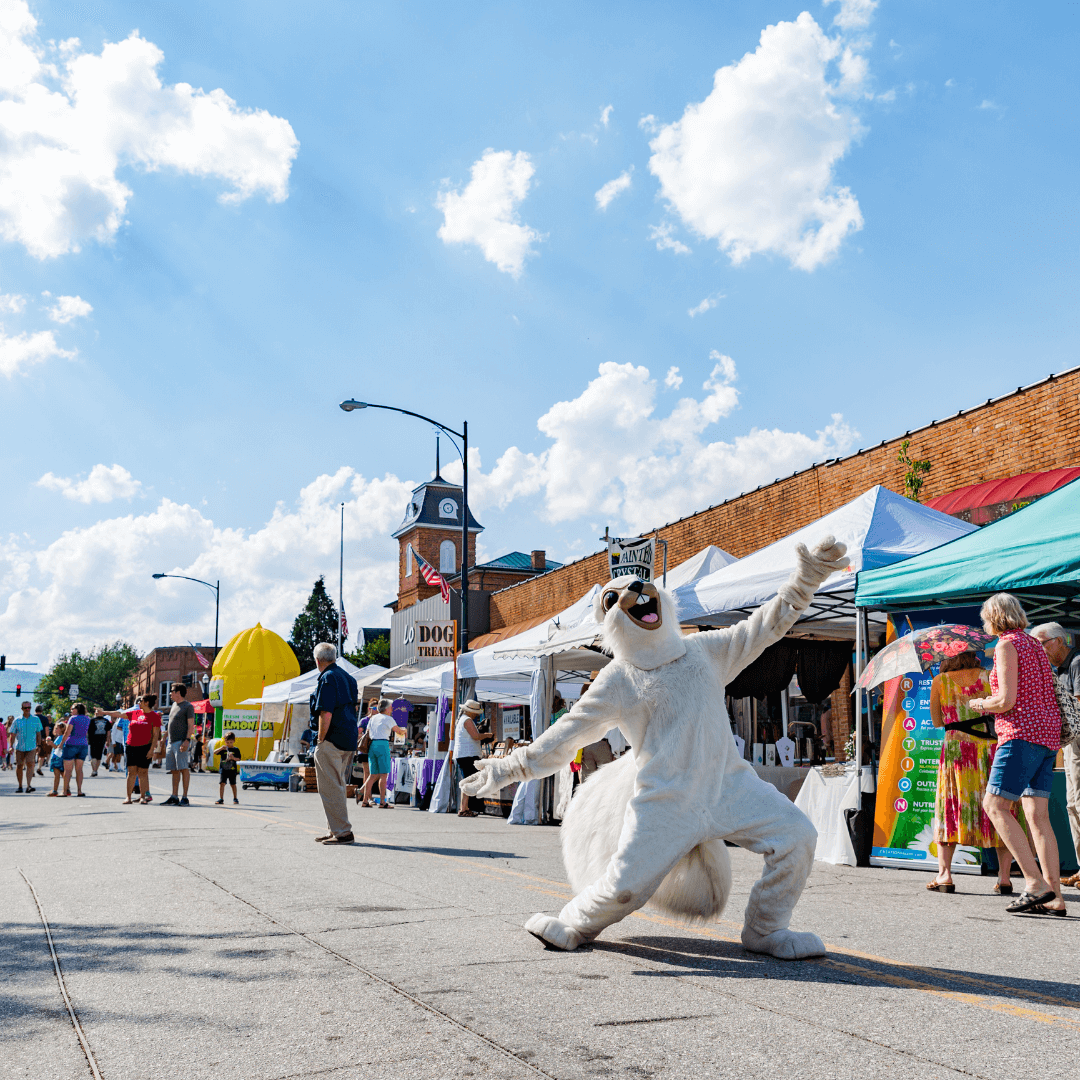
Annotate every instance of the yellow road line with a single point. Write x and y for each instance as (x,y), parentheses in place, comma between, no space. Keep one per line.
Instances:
(562,892)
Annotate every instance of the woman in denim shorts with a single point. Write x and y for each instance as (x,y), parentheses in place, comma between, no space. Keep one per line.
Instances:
(1028,728)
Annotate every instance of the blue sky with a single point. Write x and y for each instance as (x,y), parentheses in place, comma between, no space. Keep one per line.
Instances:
(871,213)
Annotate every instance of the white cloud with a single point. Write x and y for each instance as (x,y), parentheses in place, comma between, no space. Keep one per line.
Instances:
(649,123)
(104,484)
(23,350)
(69,119)
(611,457)
(12,303)
(950,82)
(605,114)
(673,380)
(752,166)
(665,241)
(93,584)
(67,308)
(706,305)
(614,188)
(854,14)
(986,103)
(485,212)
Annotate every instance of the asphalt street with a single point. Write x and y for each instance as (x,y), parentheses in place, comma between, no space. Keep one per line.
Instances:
(222,942)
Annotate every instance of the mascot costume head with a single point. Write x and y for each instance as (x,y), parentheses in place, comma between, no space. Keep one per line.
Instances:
(650,827)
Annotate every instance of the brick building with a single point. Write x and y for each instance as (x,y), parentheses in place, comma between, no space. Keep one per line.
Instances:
(1031,429)
(163,666)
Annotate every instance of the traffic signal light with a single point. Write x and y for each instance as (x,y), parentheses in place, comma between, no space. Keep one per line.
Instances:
(61,690)
(18,689)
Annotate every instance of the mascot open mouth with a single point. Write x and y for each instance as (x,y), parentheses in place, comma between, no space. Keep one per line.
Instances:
(640,601)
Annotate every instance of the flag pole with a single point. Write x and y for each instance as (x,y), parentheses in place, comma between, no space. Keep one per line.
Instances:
(453,725)
(341,579)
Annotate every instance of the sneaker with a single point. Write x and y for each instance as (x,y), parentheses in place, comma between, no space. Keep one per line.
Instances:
(184,802)
(19,790)
(29,789)
(347,838)
(236,802)
(219,802)
(172,800)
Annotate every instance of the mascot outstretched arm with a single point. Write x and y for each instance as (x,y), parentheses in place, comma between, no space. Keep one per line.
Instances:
(651,826)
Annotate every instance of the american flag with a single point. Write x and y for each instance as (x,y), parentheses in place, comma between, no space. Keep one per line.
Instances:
(344,625)
(199,656)
(433,577)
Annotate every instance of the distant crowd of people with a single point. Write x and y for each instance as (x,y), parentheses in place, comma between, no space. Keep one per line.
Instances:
(135,741)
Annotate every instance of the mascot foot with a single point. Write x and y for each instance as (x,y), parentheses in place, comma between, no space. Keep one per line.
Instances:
(783,944)
(554,933)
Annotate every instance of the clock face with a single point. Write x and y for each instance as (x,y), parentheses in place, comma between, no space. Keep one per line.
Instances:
(448,508)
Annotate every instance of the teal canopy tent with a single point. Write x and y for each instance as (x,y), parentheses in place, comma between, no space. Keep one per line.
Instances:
(1033,553)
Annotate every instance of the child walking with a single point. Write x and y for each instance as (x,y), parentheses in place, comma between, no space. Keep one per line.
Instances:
(56,757)
(230,755)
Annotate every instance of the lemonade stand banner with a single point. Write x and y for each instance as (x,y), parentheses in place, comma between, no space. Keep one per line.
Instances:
(244,722)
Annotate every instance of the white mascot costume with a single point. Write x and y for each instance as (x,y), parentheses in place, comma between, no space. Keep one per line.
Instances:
(651,826)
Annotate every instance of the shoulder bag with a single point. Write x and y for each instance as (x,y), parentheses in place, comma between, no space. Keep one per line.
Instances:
(1070,713)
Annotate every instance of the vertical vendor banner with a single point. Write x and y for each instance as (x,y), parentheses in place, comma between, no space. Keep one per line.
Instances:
(632,555)
(908,770)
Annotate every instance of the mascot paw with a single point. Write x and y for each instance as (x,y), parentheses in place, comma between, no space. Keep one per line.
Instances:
(783,944)
(553,932)
(485,781)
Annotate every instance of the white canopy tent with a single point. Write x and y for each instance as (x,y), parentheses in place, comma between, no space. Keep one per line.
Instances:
(879,528)
(297,691)
(566,640)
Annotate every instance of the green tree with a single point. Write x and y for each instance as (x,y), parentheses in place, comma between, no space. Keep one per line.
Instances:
(100,674)
(375,651)
(317,622)
(915,471)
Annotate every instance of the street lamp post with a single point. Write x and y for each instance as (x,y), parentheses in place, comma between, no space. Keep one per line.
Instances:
(217,599)
(463,629)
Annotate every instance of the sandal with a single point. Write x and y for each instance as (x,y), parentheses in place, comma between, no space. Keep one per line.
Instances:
(466,813)
(1003,890)
(146,799)
(1042,909)
(1026,902)
(941,886)
(126,802)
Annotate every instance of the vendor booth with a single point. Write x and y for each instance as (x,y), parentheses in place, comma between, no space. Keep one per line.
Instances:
(1034,554)
(250,661)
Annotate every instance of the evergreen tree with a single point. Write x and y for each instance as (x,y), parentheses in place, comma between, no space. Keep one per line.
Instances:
(317,622)
(100,675)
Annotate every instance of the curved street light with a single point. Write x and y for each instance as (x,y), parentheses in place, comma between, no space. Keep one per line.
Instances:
(351,406)
(217,598)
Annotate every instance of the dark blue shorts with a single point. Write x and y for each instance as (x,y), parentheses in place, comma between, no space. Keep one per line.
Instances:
(75,753)
(1022,768)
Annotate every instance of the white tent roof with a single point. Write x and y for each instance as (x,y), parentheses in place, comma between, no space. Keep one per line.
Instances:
(299,689)
(572,642)
(879,528)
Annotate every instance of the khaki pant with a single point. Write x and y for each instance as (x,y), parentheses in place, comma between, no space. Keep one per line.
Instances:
(1072,792)
(331,769)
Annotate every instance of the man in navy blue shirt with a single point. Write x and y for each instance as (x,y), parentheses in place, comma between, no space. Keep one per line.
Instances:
(333,706)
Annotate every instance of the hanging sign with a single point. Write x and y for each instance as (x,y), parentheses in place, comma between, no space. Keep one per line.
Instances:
(435,640)
(632,555)
(215,692)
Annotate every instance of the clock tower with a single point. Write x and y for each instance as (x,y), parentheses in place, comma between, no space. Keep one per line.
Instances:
(431,529)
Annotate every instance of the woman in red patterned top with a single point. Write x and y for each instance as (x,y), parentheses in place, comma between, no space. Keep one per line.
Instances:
(1029,735)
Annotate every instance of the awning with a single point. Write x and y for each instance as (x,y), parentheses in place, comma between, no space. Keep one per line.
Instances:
(299,689)
(1034,553)
(1019,488)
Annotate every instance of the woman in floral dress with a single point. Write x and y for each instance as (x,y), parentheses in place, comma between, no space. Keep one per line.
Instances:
(966,756)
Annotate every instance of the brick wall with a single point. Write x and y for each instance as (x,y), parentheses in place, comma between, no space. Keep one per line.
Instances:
(411,587)
(1030,430)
